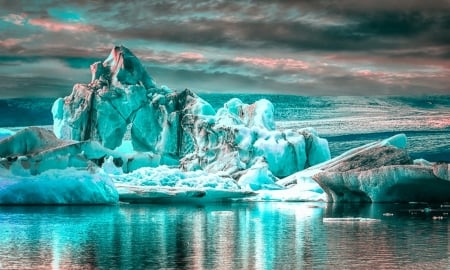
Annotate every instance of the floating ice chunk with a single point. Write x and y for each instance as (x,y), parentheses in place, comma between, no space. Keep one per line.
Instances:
(164,184)
(145,194)
(164,176)
(37,149)
(69,186)
(350,220)
(381,172)
(28,140)
(300,188)
(293,194)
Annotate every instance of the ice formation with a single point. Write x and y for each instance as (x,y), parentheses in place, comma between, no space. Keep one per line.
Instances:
(123,100)
(378,172)
(123,105)
(164,184)
(75,187)
(34,150)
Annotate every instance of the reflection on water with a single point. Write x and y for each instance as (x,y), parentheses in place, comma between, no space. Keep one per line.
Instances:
(221,236)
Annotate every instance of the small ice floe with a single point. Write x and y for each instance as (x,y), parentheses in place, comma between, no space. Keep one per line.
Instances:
(146,194)
(350,219)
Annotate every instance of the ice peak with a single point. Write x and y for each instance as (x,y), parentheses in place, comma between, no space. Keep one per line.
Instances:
(121,67)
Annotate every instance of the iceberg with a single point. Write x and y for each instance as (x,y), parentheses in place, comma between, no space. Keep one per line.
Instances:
(164,184)
(38,168)
(34,150)
(142,125)
(378,172)
(123,103)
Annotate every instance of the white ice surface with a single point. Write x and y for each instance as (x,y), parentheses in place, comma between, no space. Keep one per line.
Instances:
(164,176)
(164,184)
(69,186)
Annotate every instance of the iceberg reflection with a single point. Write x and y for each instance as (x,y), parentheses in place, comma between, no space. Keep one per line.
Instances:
(218,236)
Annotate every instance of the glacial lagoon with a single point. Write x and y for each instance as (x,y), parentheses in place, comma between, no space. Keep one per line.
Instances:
(257,235)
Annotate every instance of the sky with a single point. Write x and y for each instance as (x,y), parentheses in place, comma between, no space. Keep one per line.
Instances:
(347,47)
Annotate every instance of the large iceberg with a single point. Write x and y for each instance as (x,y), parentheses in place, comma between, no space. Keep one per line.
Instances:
(122,103)
(124,110)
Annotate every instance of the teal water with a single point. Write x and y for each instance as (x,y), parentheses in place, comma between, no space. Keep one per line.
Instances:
(225,236)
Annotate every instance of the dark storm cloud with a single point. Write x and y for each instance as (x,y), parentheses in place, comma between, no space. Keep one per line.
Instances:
(298,47)
(221,82)
(314,25)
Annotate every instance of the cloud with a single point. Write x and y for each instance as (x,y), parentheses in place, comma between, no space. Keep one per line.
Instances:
(272,63)
(304,47)
(17,19)
(14,42)
(165,57)
(55,26)
(38,77)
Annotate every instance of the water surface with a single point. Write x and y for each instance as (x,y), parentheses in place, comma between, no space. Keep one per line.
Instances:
(268,235)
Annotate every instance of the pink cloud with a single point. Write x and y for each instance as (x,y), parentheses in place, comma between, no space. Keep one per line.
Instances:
(192,56)
(274,63)
(55,26)
(438,122)
(407,62)
(12,42)
(168,58)
(397,77)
